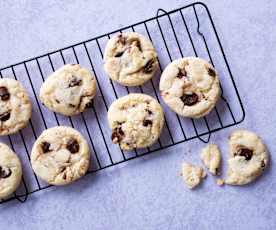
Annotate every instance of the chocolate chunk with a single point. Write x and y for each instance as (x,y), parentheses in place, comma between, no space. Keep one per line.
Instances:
(89,104)
(147,123)
(119,54)
(244,152)
(211,72)
(149,111)
(148,68)
(117,135)
(45,146)
(73,145)
(181,73)
(74,82)
(5,116)
(5,172)
(189,99)
(57,101)
(262,164)
(64,176)
(137,44)
(4,93)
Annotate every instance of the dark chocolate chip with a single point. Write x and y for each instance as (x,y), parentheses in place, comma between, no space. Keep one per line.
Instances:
(149,111)
(211,72)
(244,152)
(262,164)
(73,145)
(89,104)
(4,93)
(57,101)
(64,176)
(181,73)
(5,172)
(189,99)
(119,54)
(45,146)
(148,68)
(63,169)
(147,123)
(5,116)
(75,82)
(117,135)
(71,105)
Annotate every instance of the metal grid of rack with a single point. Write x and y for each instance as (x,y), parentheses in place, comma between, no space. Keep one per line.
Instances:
(187,31)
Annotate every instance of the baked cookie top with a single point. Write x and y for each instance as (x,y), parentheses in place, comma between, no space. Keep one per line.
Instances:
(130,59)
(69,90)
(60,155)
(190,87)
(136,121)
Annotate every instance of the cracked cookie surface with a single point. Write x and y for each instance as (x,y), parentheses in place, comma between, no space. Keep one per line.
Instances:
(15,106)
(136,121)
(190,87)
(130,59)
(248,158)
(60,155)
(10,171)
(69,90)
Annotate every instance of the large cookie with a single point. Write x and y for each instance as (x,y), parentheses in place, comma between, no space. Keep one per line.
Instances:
(248,158)
(10,171)
(190,87)
(136,121)
(60,155)
(130,59)
(15,106)
(69,90)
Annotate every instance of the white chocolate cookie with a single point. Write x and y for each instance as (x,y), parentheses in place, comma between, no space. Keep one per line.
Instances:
(248,158)
(60,155)
(69,90)
(136,121)
(10,171)
(130,59)
(15,106)
(192,175)
(190,87)
(210,156)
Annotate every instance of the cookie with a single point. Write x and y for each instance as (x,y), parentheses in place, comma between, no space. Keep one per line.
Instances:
(15,106)
(190,87)
(69,90)
(10,171)
(192,175)
(60,155)
(136,121)
(248,158)
(130,59)
(210,156)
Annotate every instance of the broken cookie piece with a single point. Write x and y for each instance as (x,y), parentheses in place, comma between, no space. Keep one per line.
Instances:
(192,175)
(211,157)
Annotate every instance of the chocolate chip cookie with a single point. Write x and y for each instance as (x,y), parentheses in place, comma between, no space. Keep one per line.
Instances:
(190,87)
(136,121)
(130,59)
(248,158)
(10,171)
(69,90)
(60,155)
(15,106)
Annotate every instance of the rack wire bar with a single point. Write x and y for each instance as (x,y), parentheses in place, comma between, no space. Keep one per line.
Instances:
(187,31)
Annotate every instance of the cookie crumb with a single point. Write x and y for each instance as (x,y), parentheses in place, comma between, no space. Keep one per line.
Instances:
(211,157)
(192,175)
(220,182)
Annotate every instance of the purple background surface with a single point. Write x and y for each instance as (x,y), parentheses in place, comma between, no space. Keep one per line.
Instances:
(147,193)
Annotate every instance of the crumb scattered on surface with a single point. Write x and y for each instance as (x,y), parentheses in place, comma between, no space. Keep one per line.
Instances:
(220,182)
(192,175)
(211,157)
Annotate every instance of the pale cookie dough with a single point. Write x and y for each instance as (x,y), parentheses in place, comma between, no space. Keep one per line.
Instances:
(190,87)
(192,175)
(136,121)
(69,90)
(248,158)
(10,171)
(15,106)
(210,156)
(60,155)
(130,59)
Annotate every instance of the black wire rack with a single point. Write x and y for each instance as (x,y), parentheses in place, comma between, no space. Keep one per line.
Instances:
(187,31)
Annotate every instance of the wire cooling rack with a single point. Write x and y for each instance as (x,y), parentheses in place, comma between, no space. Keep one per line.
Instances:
(187,31)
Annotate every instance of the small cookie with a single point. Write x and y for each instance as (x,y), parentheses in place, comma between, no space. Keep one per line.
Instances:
(10,171)
(248,158)
(69,90)
(130,59)
(136,121)
(15,106)
(60,155)
(210,156)
(190,87)
(192,175)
